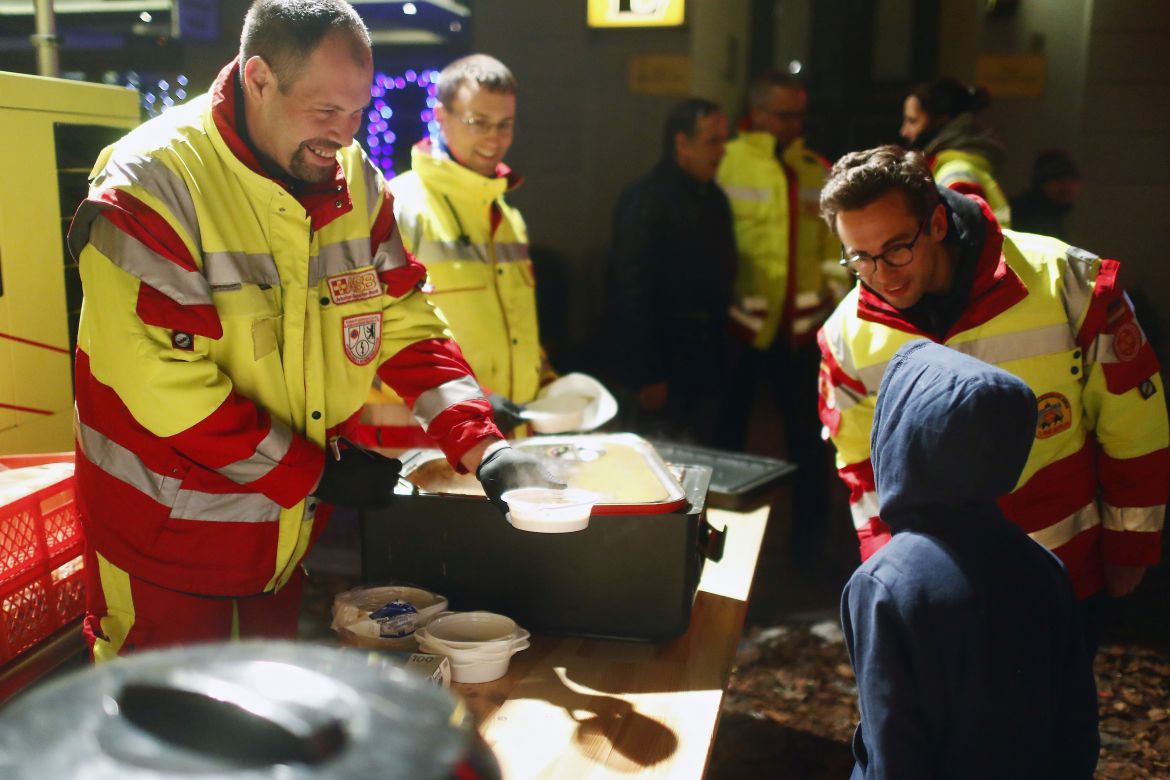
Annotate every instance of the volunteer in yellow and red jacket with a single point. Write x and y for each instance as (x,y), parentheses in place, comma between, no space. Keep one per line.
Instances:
(939,118)
(244,280)
(935,263)
(781,291)
(454,217)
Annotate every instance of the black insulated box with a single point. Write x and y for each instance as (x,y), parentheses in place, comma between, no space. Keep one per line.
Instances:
(631,574)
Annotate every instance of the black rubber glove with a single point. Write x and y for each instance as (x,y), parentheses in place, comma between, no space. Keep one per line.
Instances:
(505,412)
(362,479)
(507,469)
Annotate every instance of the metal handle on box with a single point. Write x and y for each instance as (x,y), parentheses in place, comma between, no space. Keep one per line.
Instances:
(712,540)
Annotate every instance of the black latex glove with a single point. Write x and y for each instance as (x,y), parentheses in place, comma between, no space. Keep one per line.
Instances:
(505,412)
(359,478)
(507,469)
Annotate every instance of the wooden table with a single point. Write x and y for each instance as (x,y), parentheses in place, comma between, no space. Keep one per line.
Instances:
(582,708)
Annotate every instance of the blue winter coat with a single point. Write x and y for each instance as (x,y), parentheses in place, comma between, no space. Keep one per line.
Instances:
(963,633)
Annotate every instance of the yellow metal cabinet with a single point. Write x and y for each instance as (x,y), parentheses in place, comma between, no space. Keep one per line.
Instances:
(51,131)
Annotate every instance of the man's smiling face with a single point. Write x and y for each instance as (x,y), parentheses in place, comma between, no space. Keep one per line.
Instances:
(886,223)
(301,129)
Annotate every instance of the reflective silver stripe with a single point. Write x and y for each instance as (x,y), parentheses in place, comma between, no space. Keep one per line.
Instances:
(338,257)
(431,251)
(269,452)
(1006,347)
(998,349)
(808,299)
(871,376)
(843,398)
(225,507)
(123,465)
(511,251)
(155,177)
(231,269)
(370,179)
(802,325)
(743,192)
(864,509)
(432,403)
(189,288)
(1063,531)
(812,194)
(390,254)
(1079,273)
(1133,518)
(961,175)
(1003,214)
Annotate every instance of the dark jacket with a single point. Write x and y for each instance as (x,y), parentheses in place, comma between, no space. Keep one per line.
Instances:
(963,632)
(671,268)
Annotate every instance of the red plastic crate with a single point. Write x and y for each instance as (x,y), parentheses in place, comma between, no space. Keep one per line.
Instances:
(41,586)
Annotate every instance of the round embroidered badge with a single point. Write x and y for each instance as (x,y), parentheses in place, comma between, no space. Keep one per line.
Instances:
(1053,415)
(1127,340)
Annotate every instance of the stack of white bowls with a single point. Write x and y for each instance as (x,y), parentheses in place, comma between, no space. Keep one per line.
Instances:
(479,645)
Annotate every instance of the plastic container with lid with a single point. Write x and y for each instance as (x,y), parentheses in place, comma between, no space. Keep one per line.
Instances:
(548,510)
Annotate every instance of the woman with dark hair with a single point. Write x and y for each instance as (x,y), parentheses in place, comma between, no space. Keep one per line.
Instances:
(938,119)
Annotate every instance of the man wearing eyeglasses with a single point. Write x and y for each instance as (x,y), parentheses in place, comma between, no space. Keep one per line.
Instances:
(454,218)
(935,263)
(781,292)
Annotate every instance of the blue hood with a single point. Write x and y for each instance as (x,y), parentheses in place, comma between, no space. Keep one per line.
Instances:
(948,430)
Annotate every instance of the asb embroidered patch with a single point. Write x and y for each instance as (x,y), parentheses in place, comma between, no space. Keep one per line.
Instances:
(356,286)
(362,337)
(1127,341)
(1054,414)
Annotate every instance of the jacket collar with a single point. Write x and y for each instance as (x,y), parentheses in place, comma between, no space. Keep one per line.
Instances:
(323,202)
(434,162)
(991,285)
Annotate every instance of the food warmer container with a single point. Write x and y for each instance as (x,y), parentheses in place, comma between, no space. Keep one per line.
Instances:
(631,574)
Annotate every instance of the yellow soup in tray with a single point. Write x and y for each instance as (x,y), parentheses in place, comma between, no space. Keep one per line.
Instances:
(622,467)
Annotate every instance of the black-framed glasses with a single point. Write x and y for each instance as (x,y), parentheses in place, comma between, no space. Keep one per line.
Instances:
(862,265)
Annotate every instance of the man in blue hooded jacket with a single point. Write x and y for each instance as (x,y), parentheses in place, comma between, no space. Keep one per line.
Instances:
(963,632)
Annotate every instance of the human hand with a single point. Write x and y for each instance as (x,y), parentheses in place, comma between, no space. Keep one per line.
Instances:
(358,478)
(506,469)
(1122,580)
(505,412)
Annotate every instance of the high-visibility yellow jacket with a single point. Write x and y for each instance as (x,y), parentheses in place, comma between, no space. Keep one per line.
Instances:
(1094,488)
(475,249)
(229,328)
(782,242)
(971,174)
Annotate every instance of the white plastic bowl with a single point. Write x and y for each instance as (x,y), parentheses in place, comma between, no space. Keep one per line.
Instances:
(479,645)
(471,629)
(548,510)
(557,413)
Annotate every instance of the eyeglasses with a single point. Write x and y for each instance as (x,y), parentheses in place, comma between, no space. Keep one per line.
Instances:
(480,126)
(862,265)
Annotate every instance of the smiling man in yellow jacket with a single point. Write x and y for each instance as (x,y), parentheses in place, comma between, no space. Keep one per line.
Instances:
(455,219)
(244,282)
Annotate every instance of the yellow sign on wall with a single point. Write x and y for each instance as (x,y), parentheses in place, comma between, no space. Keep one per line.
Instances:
(1011,75)
(636,13)
(660,74)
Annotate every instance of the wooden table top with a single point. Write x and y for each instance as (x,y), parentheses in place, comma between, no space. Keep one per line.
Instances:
(585,708)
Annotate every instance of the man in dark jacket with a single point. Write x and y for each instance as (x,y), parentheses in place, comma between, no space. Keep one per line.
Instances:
(963,632)
(670,274)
